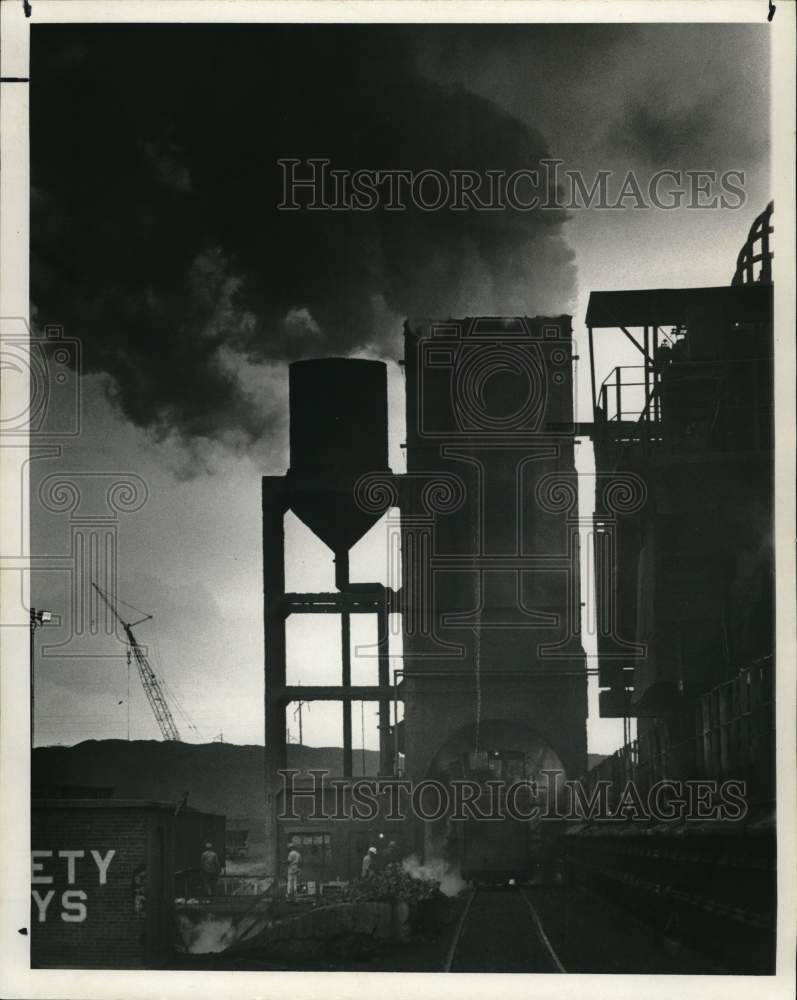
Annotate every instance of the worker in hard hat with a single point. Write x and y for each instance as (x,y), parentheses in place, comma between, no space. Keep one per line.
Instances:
(391,854)
(294,867)
(369,863)
(209,866)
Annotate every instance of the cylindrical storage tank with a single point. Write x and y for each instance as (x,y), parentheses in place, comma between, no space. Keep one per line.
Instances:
(338,410)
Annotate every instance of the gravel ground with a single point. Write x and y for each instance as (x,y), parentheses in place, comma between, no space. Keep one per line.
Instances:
(591,935)
(499,936)
(427,953)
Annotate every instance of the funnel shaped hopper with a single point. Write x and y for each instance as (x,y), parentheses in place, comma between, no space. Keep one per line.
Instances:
(338,413)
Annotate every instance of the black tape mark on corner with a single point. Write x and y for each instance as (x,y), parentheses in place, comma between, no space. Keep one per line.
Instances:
(772,9)
(27,8)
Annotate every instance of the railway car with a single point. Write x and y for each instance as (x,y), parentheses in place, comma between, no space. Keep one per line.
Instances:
(498,851)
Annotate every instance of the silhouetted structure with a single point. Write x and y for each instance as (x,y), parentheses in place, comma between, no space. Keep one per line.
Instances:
(489,596)
(338,433)
(494,672)
(686,614)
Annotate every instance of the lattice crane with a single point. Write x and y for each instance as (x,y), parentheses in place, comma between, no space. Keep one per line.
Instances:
(149,681)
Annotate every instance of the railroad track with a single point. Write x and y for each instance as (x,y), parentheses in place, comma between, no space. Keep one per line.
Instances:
(501,931)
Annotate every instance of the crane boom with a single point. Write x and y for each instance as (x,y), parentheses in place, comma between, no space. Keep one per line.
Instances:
(152,689)
(149,681)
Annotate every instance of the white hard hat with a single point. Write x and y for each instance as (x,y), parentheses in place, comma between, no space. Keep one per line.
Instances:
(372,850)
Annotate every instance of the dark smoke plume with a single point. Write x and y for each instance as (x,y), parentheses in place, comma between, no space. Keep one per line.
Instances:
(155,234)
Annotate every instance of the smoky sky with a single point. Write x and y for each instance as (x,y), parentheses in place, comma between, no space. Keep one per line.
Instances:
(668,95)
(662,133)
(155,234)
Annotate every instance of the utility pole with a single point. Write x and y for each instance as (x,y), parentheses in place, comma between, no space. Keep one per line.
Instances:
(298,710)
(37,619)
(129,655)
(362,735)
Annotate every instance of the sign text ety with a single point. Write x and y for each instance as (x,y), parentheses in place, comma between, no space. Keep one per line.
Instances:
(73,909)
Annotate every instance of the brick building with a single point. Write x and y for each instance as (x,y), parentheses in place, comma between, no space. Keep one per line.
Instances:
(102,883)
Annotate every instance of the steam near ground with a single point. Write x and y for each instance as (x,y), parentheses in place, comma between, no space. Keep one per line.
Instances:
(451,882)
(216,934)
(213,934)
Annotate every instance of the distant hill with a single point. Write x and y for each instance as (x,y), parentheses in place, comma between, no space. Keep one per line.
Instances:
(593,759)
(219,777)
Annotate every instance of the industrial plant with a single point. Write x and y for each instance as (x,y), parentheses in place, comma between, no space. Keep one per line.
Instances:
(479,676)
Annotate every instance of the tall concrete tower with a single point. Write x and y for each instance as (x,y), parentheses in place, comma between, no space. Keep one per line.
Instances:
(493,662)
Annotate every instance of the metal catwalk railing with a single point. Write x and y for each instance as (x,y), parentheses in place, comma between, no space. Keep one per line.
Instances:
(754,263)
(733,738)
(717,406)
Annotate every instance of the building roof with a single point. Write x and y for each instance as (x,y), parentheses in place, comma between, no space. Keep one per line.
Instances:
(490,326)
(176,808)
(670,306)
(143,804)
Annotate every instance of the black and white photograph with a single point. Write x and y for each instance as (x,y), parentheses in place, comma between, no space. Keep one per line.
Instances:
(397,444)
